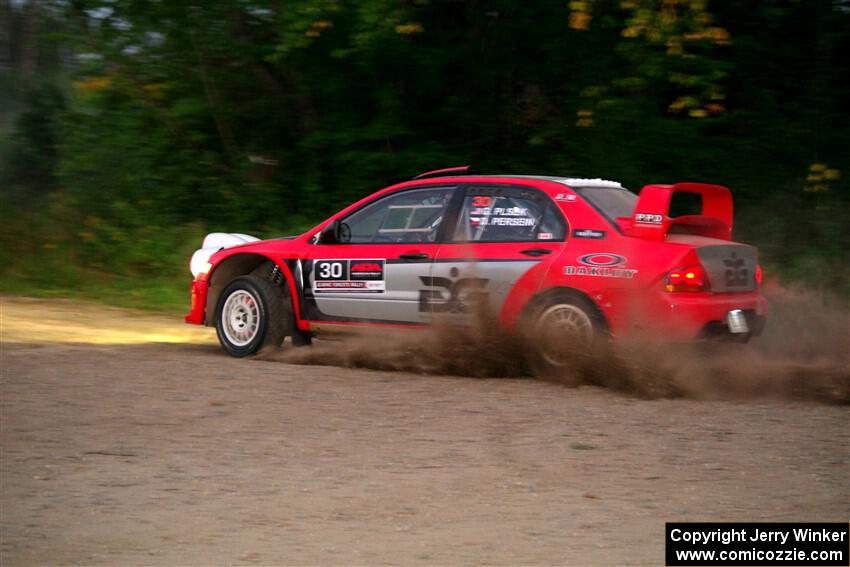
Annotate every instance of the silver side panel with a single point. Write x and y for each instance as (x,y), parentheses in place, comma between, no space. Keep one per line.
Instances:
(731,267)
(380,309)
(416,292)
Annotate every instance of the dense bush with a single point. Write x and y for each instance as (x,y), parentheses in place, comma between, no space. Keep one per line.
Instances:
(152,123)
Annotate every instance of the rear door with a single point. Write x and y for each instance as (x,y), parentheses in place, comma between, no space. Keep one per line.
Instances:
(501,238)
(375,276)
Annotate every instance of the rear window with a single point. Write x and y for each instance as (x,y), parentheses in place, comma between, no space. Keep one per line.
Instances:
(610,201)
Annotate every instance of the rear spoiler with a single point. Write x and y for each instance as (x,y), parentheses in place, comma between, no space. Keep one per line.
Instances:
(651,219)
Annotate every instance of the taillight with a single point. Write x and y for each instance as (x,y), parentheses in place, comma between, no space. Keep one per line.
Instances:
(758,274)
(690,278)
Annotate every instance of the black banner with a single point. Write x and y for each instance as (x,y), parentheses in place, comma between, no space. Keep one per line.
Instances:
(757,544)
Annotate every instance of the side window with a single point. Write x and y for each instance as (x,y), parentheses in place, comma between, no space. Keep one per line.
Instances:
(406,217)
(508,216)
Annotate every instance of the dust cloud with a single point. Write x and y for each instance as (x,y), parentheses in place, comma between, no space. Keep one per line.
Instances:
(803,354)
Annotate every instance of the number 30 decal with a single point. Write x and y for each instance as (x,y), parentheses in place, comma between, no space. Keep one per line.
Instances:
(331,270)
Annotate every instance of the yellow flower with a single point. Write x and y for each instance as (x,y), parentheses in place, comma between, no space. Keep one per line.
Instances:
(409,28)
(719,35)
(580,20)
(93,84)
(631,31)
(585,118)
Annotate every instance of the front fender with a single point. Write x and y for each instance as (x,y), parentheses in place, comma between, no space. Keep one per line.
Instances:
(233,265)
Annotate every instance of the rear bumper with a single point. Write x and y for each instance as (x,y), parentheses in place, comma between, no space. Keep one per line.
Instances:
(720,330)
(196,315)
(690,316)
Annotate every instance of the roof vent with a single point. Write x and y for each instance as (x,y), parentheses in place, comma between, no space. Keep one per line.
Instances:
(579,182)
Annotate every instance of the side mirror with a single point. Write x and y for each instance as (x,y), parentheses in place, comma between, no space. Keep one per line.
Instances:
(330,234)
(335,233)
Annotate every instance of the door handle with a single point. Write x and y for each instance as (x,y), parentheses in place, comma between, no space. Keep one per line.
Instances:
(419,256)
(536,251)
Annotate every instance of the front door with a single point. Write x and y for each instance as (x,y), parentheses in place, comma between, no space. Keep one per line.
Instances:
(375,275)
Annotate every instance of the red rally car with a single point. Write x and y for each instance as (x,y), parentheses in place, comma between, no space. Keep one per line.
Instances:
(574,259)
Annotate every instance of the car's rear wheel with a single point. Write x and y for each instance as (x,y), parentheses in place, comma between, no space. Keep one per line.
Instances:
(563,329)
(252,314)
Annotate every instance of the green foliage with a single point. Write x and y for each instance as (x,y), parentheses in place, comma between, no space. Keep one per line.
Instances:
(30,166)
(262,117)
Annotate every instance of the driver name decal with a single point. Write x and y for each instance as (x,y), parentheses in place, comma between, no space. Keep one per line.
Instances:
(348,276)
(485,215)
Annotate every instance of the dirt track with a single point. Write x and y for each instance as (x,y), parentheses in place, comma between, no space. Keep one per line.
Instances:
(172,453)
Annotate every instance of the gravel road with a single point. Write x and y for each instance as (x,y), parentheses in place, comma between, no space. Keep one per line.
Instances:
(116,450)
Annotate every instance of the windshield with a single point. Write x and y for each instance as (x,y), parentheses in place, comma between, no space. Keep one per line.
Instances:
(610,201)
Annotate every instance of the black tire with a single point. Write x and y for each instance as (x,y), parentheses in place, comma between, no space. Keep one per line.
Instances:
(253,313)
(563,330)
(270,272)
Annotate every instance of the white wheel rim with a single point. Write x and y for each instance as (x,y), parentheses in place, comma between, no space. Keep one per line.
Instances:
(562,330)
(240,317)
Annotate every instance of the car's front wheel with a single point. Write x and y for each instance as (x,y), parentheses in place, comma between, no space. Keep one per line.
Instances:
(251,314)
